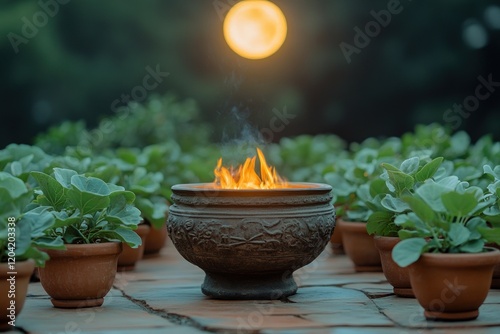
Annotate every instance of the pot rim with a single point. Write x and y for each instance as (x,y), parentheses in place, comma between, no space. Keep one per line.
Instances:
(72,250)
(491,256)
(294,187)
(23,268)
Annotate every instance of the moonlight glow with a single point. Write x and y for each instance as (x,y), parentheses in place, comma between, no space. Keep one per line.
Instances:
(255,29)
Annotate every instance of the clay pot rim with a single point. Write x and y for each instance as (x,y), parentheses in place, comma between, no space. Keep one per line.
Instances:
(384,242)
(352,226)
(294,188)
(23,268)
(77,250)
(491,256)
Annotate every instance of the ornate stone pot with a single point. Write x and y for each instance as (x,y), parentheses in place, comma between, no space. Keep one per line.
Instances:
(249,242)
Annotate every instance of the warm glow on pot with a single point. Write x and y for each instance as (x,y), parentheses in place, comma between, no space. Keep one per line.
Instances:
(255,29)
(246,177)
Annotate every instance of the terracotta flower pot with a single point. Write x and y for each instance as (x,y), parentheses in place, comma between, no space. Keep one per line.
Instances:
(129,256)
(495,282)
(156,240)
(360,247)
(398,277)
(81,275)
(13,296)
(453,286)
(336,242)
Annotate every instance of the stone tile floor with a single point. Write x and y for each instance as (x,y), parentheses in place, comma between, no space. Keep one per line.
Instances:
(163,295)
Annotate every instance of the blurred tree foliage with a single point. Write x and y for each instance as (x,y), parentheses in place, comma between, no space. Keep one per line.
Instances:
(92,53)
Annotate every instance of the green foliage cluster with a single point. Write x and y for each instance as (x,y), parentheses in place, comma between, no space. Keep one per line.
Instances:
(20,236)
(85,209)
(382,182)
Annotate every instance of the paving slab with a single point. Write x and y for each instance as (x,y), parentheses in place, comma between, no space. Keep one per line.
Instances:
(163,295)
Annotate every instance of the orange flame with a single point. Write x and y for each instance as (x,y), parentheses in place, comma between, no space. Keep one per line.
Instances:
(245,176)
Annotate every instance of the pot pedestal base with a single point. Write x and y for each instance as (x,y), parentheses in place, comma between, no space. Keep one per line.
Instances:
(404,292)
(367,269)
(126,268)
(495,283)
(455,316)
(244,287)
(75,303)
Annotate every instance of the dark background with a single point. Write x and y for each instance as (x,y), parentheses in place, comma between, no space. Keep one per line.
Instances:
(91,52)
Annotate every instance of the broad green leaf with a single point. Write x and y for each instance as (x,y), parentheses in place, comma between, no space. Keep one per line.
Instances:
(398,179)
(16,168)
(449,182)
(430,193)
(363,192)
(87,203)
(122,234)
(142,182)
(467,173)
(490,234)
(410,166)
(458,234)
(377,187)
(428,170)
(49,242)
(120,191)
(339,184)
(14,186)
(72,236)
(23,238)
(37,255)
(389,167)
(472,246)
(63,176)
(394,204)
(40,220)
(88,194)
(408,251)
(381,223)
(459,205)
(421,209)
(122,213)
(13,207)
(494,188)
(493,172)
(53,190)
(90,185)
(407,234)
(63,220)
(473,225)
(153,209)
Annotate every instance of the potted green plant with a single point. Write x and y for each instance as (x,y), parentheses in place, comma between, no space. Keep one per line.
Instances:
(92,218)
(124,169)
(492,213)
(386,204)
(354,202)
(443,242)
(19,238)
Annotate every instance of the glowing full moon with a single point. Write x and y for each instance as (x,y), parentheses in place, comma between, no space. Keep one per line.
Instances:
(255,29)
